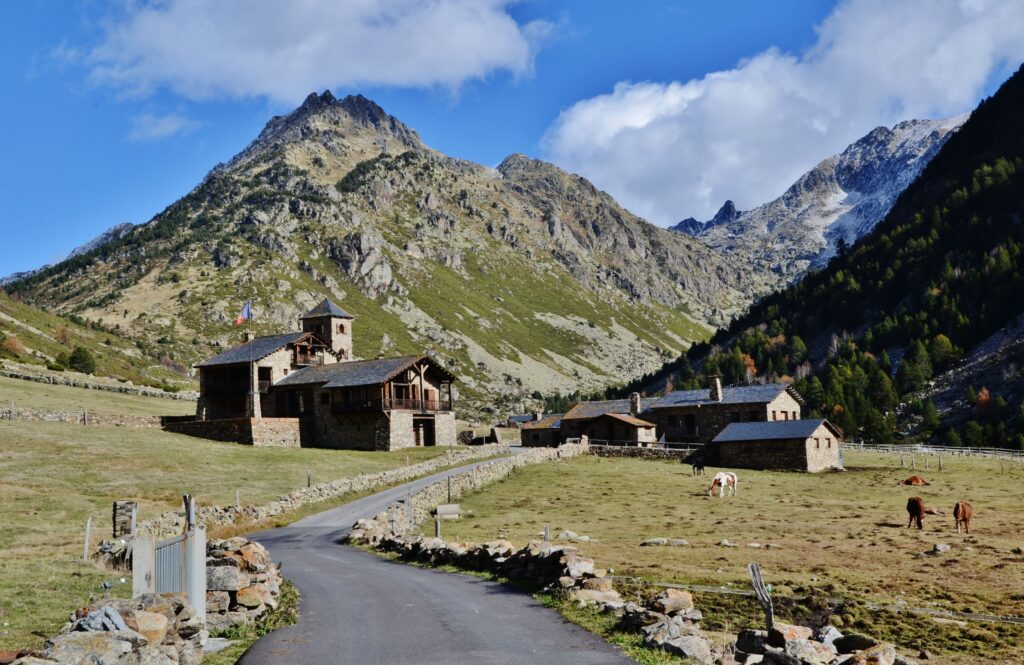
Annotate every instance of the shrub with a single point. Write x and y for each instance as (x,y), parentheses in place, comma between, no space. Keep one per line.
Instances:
(11,345)
(81,360)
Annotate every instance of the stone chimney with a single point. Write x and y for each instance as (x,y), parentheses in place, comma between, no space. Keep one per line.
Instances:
(715,388)
(538,415)
(634,404)
(249,336)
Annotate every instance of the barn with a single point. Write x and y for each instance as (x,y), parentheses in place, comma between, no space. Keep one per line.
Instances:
(799,445)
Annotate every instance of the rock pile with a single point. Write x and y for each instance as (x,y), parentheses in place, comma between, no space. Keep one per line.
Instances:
(786,644)
(152,629)
(242,582)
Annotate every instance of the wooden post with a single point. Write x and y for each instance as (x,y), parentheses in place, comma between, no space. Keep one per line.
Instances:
(437,526)
(940,462)
(926,462)
(238,499)
(88,533)
(135,514)
(143,555)
(449,489)
(913,461)
(309,477)
(547,532)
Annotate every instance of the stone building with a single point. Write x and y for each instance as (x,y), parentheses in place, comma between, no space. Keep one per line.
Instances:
(615,421)
(697,416)
(800,445)
(304,388)
(542,432)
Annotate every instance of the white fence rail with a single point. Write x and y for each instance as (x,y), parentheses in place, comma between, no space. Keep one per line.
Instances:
(924,449)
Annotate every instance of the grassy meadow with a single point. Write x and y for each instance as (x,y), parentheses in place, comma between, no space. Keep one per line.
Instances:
(55,476)
(841,535)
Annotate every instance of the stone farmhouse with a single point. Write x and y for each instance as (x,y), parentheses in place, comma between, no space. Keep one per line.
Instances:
(304,388)
(542,432)
(593,420)
(799,445)
(697,416)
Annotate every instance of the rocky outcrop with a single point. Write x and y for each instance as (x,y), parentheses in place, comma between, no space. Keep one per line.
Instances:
(839,200)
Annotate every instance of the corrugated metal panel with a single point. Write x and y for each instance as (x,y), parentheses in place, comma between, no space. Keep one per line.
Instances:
(171,565)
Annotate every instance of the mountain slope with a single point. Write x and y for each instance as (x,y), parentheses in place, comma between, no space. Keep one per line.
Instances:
(937,280)
(838,201)
(522,278)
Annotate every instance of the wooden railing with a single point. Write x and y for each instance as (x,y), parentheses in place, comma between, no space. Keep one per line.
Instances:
(392,404)
(302,359)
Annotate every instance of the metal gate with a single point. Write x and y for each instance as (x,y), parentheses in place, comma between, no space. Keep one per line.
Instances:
(175,565)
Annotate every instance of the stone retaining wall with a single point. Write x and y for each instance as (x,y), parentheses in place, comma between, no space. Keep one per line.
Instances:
(77,417)
(79,381)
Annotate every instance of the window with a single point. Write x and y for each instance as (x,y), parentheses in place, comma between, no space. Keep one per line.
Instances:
(817,442)
(341,328)
(286,371)
(794,416)
(828,442)
(775,415)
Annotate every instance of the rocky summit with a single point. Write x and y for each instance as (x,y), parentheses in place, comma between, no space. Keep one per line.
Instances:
(519,279)
(838,201)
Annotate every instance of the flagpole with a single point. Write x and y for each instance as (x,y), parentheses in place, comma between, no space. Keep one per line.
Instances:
(250,338)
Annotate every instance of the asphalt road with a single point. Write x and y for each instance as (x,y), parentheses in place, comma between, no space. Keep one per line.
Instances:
(357,608)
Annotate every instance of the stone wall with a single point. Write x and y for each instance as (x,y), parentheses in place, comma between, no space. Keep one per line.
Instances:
(77,417)
(262,432)
(788,455)
(172,522)
(668,454)
(444,429)
(418,508)
(84,381)
(397,433)
(124,518)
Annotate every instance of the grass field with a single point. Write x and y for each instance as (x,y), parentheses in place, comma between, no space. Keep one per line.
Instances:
(56,475)
(32,395)
(841,536)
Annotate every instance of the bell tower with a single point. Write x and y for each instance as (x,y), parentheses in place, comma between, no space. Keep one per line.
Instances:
(333,326)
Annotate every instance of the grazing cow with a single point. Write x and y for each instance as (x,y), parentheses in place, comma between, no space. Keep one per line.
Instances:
(723,480)
(914,480)
(917,510)
(962,513)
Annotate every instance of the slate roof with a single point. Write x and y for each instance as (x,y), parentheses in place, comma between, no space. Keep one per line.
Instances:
(554,421)
(257,349)
(355,373)
(584,410)
(629,420)
(773,430)
(521,419)
(326,308)
(755,394)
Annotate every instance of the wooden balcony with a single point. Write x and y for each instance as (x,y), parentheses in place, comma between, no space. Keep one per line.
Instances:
(307,360)
(394,404)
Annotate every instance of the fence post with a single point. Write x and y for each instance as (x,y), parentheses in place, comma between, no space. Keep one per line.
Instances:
(85,546)
(437,526)
(143,560)
(940,462)
(197,571)
(309,477)
(913,461)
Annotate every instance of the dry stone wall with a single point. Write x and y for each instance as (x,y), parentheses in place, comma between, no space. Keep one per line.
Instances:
(173,522)
(666,454)
(83,381)
(77,417)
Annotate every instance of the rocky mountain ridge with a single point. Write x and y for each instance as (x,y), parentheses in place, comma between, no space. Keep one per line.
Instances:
(521,279)
(837,202)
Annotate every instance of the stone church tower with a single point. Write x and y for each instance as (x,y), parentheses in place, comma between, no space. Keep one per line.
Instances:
(332,326)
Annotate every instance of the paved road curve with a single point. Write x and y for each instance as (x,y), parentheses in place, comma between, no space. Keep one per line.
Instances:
(357,608)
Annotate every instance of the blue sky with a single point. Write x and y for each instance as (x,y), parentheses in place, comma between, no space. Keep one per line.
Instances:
(111,113)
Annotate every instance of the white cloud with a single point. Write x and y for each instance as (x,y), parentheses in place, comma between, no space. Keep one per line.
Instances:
(672,150)
(151,127)
(284,50)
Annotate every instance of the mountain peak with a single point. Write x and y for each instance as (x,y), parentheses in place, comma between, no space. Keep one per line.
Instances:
(727,213)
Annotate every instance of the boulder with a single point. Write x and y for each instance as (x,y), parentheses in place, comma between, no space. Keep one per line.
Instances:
(672,600)
(93,647)
(691,648)
(190,622)
(781,633)
(649,542)
(853,642)
(774,656)
(940,548)
(827,634)
(566,534)
(752,641)
(102,619)
(217,601)
(669,628)
(148,656)
(880,654)
(810,652)
(589,597)
(225,578)
(678,542)
(597,584)
(253,597)
(578,566)
(150,625)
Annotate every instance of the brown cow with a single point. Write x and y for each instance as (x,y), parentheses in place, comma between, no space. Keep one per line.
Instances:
(914,480)
(962,513)
(917,510)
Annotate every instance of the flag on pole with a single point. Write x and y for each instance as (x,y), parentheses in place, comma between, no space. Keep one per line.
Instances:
(246,314)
